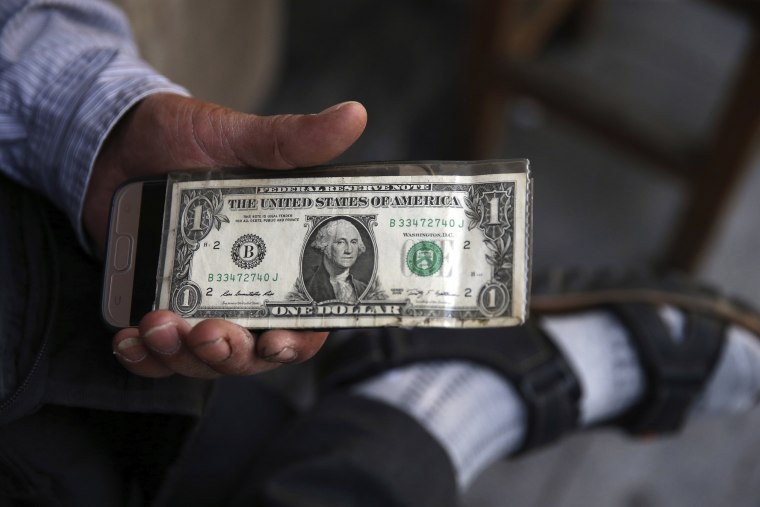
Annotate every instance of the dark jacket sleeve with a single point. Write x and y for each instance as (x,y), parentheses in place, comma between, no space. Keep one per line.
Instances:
(54,346)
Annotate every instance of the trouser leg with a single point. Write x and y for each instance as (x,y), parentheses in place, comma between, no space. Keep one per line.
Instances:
(350,451)
(63,456)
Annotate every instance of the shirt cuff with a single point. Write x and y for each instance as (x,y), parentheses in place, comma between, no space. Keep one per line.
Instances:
(90,97)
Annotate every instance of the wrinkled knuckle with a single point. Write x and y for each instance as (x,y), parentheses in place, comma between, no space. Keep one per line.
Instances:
(280,146)
(204,133)
(305,352)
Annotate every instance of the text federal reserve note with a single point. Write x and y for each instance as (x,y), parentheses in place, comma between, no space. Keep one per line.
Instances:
(438,244)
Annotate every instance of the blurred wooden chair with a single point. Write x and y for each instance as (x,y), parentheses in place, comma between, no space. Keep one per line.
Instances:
(508,36)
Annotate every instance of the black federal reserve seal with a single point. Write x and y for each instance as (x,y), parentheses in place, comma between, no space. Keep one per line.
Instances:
(248,251)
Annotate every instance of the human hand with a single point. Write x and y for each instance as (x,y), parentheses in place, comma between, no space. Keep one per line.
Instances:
(165,344)
(167,132)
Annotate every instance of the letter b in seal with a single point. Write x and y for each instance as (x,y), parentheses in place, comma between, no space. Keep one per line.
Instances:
(248,251)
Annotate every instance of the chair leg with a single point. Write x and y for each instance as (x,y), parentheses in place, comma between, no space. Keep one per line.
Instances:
(483,104)
(506,30)
(722,167)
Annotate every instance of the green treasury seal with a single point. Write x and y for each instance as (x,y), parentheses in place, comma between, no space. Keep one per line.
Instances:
(424,258)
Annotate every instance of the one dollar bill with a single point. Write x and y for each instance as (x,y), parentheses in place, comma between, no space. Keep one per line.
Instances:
(413,244)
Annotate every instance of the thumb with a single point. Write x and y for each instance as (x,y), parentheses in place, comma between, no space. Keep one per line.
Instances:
(198,134)
(167,132)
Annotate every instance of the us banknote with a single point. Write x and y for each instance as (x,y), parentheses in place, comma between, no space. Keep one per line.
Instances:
(439,245)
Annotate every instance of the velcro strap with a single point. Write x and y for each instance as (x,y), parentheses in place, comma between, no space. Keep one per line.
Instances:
(677,369)
(551,392)
(523,355)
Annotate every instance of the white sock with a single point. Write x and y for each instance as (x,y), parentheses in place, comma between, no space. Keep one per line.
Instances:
(598,350)
(478,417)
(735,384)
(475,415)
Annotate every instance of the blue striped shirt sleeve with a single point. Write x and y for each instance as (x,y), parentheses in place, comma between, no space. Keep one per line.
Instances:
(69,70)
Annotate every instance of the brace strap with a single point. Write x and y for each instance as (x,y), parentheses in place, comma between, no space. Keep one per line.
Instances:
(677,369)
(524,356)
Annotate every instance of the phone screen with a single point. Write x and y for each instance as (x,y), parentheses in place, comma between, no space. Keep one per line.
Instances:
(147,250)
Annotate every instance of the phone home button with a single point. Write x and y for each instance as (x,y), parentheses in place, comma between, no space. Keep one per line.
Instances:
(122,253)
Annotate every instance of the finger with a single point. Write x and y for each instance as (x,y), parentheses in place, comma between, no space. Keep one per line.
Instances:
(226,348)
(164,334)
(134,356)
(283,346)
(281,142)
(199,134)
(167,132)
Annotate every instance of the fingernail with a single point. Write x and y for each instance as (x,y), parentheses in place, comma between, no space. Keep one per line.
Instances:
(164,348)
(213,352)
(165,325)
(130,350)
(334,108)
(286,355)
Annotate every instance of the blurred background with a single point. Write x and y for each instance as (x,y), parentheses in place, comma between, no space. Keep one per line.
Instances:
(640,120)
